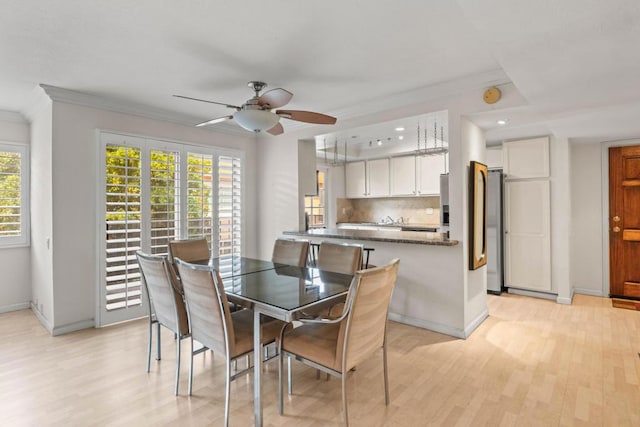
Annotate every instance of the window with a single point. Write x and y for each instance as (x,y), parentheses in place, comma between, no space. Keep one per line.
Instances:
(14,196)
(157,191)
(314,206)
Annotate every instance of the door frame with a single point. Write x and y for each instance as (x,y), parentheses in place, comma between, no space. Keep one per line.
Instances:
(604,159)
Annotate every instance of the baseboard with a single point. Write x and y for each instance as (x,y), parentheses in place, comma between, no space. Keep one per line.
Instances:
(534,294)
(425,324)
(14,307)
(475,323)
(41,318)
(566,301)
(592,292)
(72,327)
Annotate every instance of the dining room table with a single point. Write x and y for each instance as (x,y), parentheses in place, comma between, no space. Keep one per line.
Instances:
(278,291)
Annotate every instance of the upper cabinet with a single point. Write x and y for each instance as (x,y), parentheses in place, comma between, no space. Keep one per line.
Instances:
(355,180)
(417,175)
(528,158)
(398,176)
(403,176)
(378,178)
(429,169)
(367,178)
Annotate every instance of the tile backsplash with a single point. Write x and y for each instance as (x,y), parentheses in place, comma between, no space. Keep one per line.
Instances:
(414,210)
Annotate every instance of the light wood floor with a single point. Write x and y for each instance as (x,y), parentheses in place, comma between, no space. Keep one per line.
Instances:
(532,362)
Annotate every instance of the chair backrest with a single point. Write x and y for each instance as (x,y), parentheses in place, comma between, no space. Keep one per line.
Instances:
(339,257)
(363,330)
(207,305)
(163,291)
(290,252)
(189,250)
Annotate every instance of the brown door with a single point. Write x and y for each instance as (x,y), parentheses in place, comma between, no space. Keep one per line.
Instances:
(624,221)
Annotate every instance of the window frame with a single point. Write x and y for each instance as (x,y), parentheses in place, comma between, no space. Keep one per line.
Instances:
(24,239)
(322,198)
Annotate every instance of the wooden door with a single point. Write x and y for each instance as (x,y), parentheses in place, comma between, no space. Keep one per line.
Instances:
(624,221)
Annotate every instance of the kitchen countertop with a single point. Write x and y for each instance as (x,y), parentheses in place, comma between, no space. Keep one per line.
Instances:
(407,225)
(411,237)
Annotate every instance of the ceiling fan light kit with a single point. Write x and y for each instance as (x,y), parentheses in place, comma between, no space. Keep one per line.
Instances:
(256,120)
(255,115)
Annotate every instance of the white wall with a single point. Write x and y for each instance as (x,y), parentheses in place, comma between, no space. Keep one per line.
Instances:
(586,219)
(475,290)
(277,182)
(41,203)
(73,157)
(560,167)
(15,291)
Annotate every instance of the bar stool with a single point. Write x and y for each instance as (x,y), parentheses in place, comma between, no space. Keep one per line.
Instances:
(313,253)
(365,264)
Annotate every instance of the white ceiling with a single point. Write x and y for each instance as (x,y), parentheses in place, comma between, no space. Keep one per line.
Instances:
(574,62)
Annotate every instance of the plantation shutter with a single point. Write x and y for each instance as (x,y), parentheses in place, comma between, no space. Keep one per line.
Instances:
(200,193)
(164,172)
(14,195)
(229,206)
(123,226)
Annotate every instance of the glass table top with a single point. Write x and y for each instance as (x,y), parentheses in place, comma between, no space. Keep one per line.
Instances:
(236,266)
(286,287)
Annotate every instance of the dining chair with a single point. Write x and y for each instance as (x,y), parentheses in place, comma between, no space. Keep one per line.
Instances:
(335,346)
(166,306)
(290,252)
(188,250)
(215,326)
(339,257)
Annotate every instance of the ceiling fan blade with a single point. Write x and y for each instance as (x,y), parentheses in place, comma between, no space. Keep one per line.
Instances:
(276,130)
(214,121)
(307,117)
(210,102)
(275,98)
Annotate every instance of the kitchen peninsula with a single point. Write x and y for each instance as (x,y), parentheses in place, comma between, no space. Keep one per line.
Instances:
(426,284)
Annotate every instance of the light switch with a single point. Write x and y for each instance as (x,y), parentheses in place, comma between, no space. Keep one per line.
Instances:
(429,211)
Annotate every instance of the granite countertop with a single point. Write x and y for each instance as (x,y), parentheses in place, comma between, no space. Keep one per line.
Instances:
(408,225)
(412,237)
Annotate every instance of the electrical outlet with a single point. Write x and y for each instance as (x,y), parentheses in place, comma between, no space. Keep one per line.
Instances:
(429,211)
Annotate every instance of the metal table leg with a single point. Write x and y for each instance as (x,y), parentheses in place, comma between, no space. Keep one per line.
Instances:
(257,368)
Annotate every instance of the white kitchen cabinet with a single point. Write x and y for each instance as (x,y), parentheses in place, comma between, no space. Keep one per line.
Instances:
(429,169)
(403,176)
(367,179)
(355,177)
(527,231)
(526,159)
(377,178)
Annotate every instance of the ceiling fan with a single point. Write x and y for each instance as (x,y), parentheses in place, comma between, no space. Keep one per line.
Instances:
(255,115)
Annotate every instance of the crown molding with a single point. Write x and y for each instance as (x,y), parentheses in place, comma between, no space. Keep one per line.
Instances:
(68,96)
(12,116)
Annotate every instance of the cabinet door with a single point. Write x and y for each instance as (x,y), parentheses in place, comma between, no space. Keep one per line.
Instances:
(403,176)
(527,235)
(526,159)
(429,170)
(355,180)
(378,177)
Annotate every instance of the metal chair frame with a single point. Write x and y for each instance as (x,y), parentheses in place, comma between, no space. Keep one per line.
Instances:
(154,320)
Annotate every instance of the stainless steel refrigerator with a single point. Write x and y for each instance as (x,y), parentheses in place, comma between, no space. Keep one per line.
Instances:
(495,265)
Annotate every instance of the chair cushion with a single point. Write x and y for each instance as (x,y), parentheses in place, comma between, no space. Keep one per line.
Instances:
(243,331)
(315,342)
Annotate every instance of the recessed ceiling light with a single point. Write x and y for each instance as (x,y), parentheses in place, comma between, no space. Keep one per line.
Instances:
(502,122)
(401,137)
(379,142)
(399,129)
